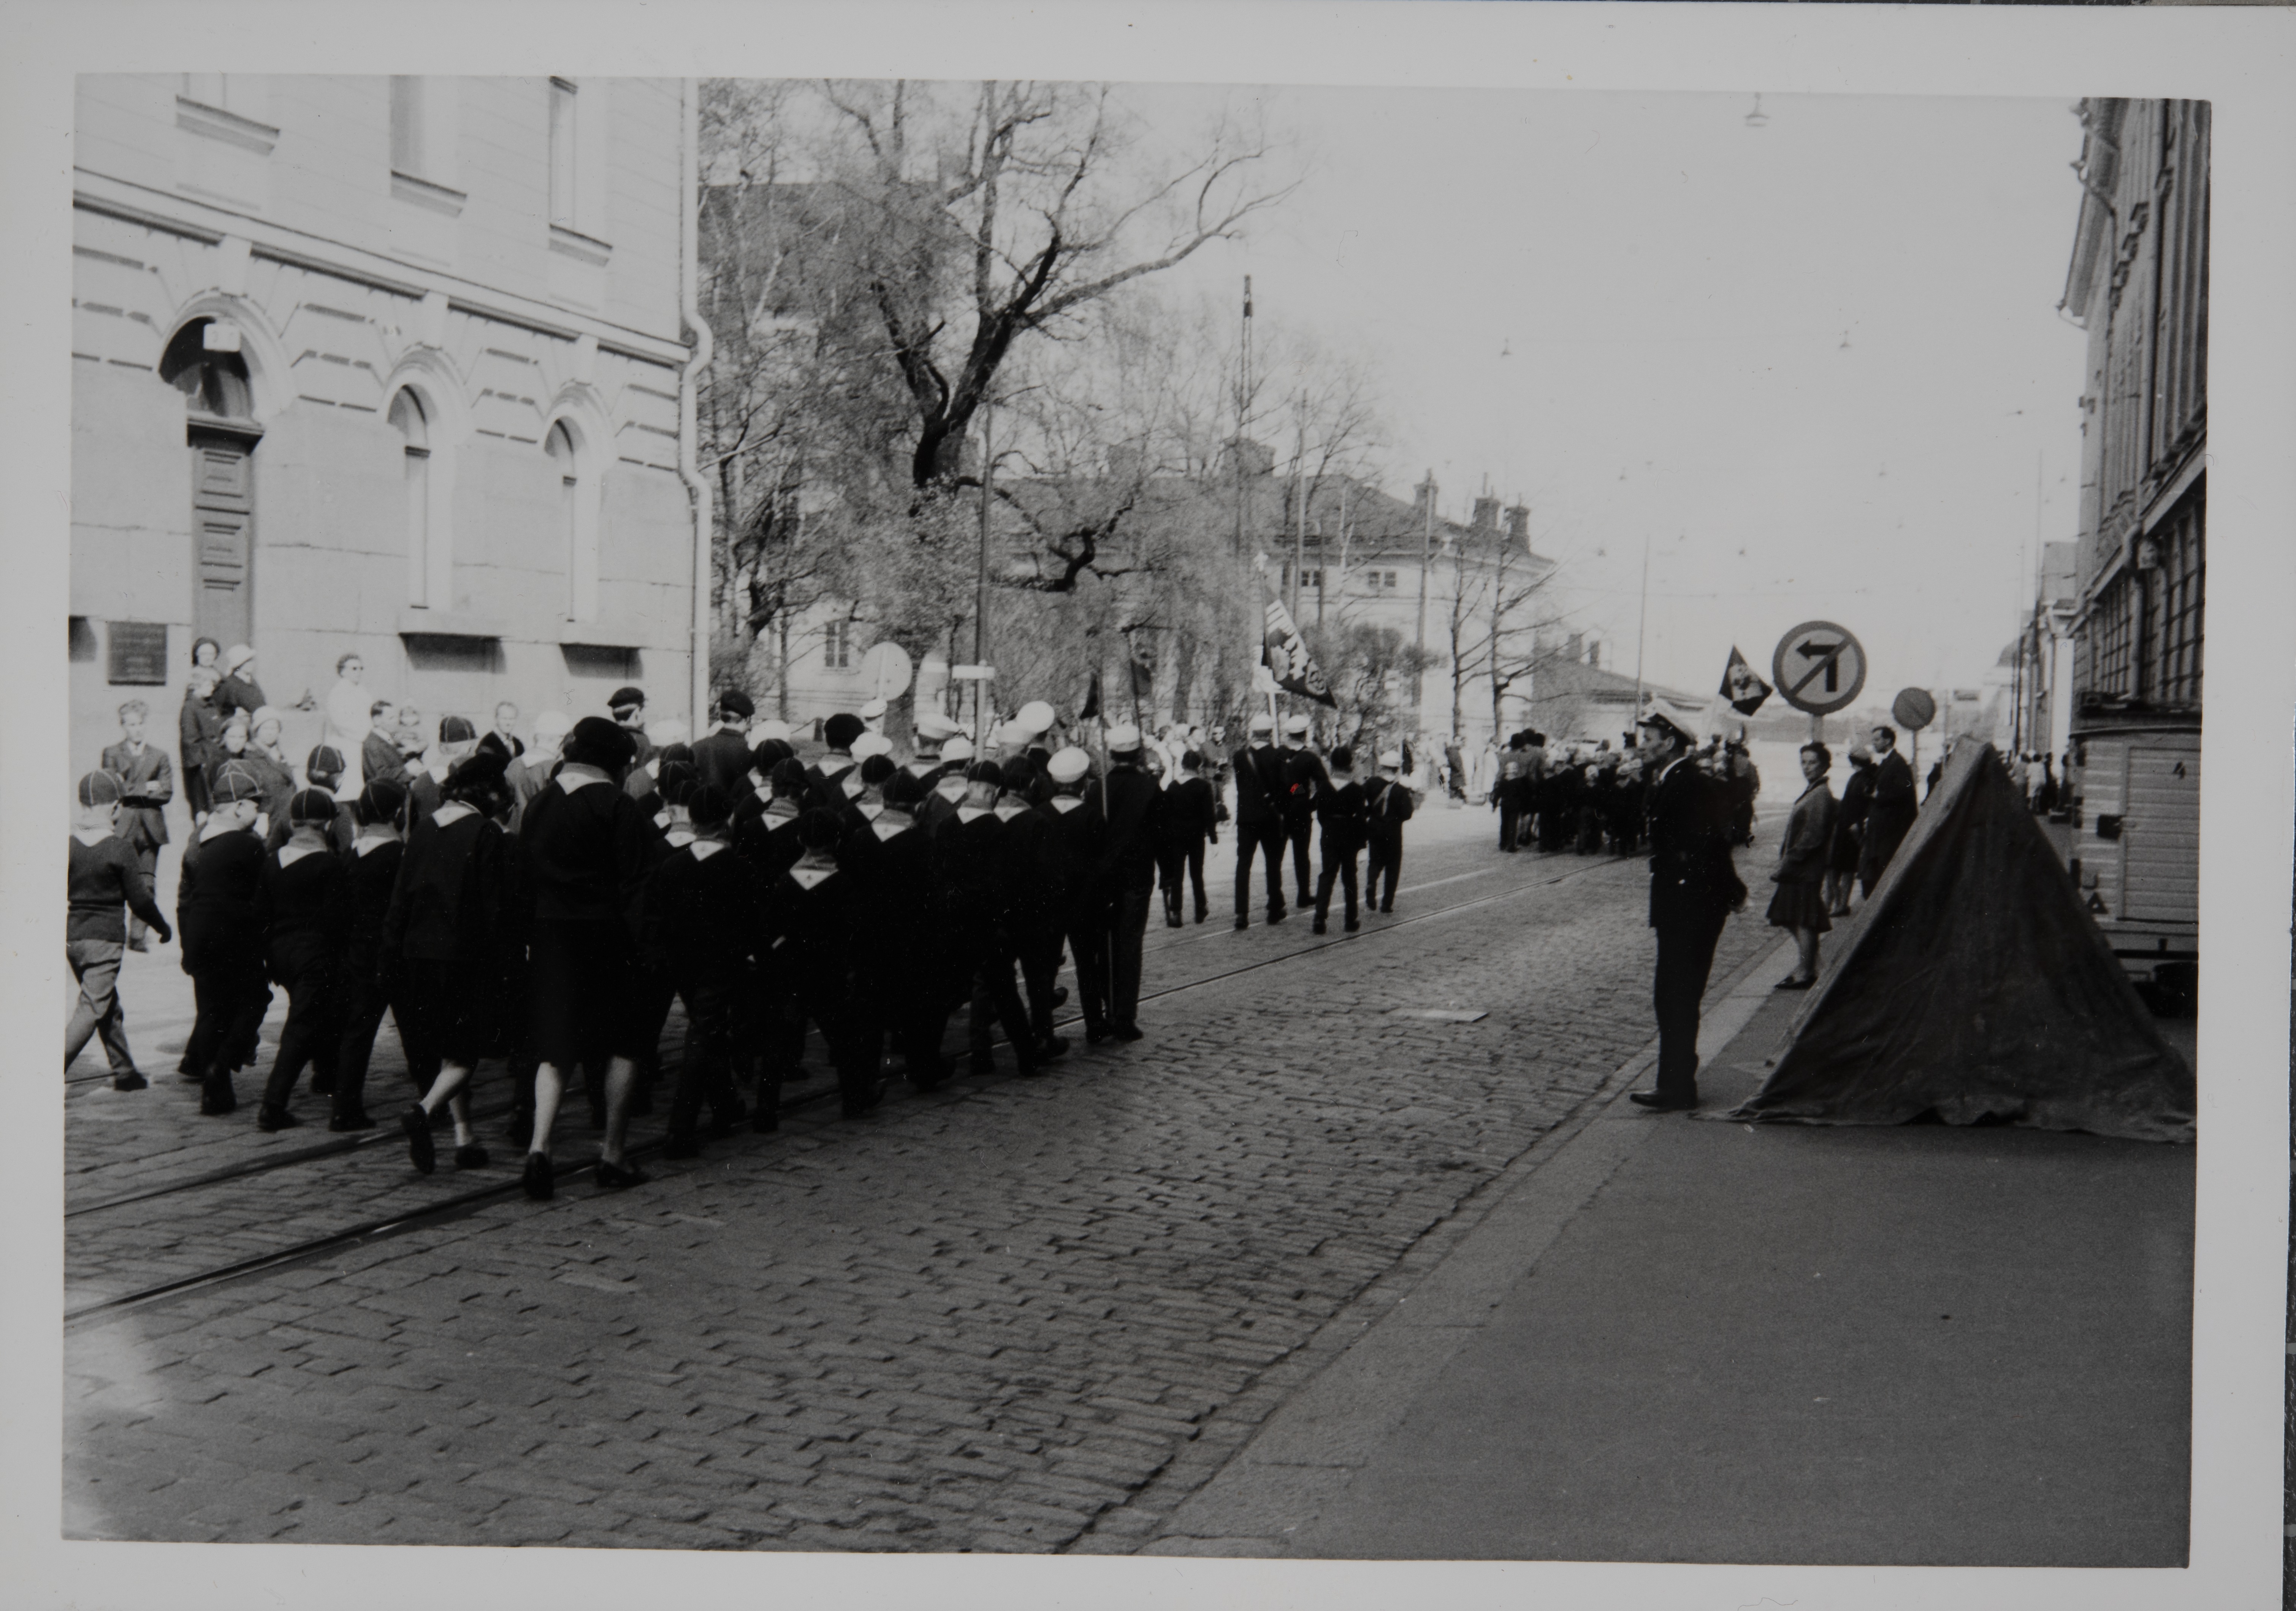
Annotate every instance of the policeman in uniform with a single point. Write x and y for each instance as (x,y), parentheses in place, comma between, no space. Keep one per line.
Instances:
(1694,890)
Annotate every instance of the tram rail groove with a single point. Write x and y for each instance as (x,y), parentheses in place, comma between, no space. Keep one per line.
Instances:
(445,1210)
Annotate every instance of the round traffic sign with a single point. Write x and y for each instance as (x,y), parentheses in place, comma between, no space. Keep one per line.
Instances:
(1914,709)
(886,669)
(1818,667)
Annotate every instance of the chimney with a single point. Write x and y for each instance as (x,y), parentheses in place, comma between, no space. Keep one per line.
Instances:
(1486,517)
(1574,647)
(1595,654)
(1518,522)
(1422,498)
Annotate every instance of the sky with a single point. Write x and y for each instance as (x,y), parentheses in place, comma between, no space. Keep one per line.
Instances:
(1815,365)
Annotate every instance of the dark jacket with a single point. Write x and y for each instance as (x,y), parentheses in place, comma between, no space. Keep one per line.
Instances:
(1191,814)
(310,909)
(587,854)
(1025,858)
(102,879)
(1692,880)
(806,933)
(223,904)
(896,929)
(372,878)
(1075,840)
(453,894)
(1849,819)
(1132,802)
(1890,815)
(1259,786)
(703,913)
(1346,818)
(722,758)
(968,866)
(1389,805)
(236,693)
(150,782)
(380,761)
(1304,781)
(199,732)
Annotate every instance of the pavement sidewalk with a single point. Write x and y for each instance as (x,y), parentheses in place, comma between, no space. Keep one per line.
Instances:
(1667,1340)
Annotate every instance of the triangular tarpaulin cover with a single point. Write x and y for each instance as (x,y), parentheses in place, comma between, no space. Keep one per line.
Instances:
(1976,985)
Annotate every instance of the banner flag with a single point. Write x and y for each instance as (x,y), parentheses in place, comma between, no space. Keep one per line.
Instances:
(1740,687)
(1091,699)
(1284,652)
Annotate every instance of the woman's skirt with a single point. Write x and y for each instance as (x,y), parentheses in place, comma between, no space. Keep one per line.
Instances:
(583,994)
(448,1010)
(1799,906)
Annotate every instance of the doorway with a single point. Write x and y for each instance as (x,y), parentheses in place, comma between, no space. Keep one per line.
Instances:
(203,362)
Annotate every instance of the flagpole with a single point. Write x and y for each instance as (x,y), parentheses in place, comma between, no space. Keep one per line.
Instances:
(1642,621)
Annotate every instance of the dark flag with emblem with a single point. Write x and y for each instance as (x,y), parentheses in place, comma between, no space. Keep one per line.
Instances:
(1284,652)
(1740,687)
(1091,699)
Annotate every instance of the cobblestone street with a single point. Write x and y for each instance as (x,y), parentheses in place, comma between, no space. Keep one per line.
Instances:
(1009,1316)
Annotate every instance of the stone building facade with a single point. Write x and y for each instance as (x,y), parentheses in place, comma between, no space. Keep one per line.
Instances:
(391,365)
(2138,283)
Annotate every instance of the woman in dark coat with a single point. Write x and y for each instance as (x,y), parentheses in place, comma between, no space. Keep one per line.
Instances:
(1799,904)
(198,727)
(1848,832)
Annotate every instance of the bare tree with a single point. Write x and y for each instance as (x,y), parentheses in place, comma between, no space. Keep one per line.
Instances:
(1041,201)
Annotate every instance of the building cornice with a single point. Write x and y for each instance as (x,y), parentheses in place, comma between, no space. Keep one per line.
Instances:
(134,203)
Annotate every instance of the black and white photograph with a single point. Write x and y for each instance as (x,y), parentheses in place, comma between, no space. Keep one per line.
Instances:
(1181,812)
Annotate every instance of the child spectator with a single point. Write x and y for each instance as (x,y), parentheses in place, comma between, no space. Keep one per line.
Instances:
(147,784)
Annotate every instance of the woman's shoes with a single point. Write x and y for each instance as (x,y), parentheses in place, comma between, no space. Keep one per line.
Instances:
(1792,983)
(421,1151)
(539,1178)
(620,1175)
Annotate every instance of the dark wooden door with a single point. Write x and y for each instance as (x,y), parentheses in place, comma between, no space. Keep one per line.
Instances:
(223,526)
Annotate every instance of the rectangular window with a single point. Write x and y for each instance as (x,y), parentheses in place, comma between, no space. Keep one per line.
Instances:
(563,145)
(836,646)
(1391,579)
(2178,679)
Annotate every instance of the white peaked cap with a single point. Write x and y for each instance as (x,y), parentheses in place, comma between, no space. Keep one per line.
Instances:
(932,725)
(874,709)
(872,743)
(551,725)
(1123,738)
(1390,758)
(769,729)
(1295,724)
(670,730)
(1068,765)
(959,748)
(1263,723)
(1034,716)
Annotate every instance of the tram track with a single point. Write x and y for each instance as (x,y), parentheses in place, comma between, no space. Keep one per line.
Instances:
(459,1204)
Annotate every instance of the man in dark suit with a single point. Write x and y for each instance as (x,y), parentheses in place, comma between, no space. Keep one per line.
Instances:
(1258,820)
(1889,810)
(1694,890)
(1130,801)
(722,755)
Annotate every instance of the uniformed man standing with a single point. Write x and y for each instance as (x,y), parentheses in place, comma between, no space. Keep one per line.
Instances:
(722,754)
(1304,781)
(1259,820)
(1694,890)
(1128,800)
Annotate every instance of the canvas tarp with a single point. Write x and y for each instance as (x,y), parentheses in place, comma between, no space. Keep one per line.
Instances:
(1975,985)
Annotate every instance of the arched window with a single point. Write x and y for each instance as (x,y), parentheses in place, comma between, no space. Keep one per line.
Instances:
(407,418)
(203,362)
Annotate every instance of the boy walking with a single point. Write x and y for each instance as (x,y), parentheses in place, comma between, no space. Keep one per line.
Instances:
(105,876)
(223,908)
